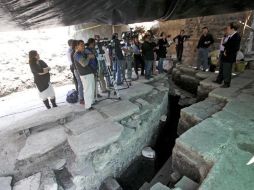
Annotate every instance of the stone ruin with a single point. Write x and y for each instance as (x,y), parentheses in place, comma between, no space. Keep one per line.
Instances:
(69,148)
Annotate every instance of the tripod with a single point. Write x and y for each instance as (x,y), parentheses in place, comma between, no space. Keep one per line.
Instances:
(110,80)
(122,73)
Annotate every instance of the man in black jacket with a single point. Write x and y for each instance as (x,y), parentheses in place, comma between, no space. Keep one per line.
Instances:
(205,41)
(179,40)
(232,46)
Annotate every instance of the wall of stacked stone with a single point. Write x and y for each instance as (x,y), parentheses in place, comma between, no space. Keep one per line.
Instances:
(215,23)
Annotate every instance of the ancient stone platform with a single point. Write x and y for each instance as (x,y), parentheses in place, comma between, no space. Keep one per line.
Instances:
(218,137)
(69,147)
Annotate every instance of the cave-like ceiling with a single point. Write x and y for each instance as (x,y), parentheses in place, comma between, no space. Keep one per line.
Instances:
(29,14)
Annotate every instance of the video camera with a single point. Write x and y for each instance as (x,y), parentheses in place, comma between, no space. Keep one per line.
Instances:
(129,35)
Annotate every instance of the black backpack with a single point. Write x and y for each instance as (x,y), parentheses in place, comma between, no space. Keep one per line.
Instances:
(72,96)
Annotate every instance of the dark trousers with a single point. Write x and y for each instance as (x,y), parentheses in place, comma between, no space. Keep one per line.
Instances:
(179,52)
(74,78)
(139,62)
(225,72)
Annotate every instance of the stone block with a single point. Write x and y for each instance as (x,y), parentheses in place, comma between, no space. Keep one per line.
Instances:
(45,118)
(202,75)
(5,183)
(103,134)
(245,108)
(41,143)
(240,82)
(119,110)
(192,115)
(187,184)
(137,89)
(84,123)
(30,183)
(193,158)
(159,186)
(188,71)
(224,94)
(110,184)
(51,187)
(230,172)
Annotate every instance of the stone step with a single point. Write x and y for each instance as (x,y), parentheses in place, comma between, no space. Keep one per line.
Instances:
(197,150)
(188,71)
(119,110)
(5,183)
(46,118)
(202,75)
(159,186)
(194,114)
(84,123)
(102,135)
(187,184)
(41,143)
(228,94)
(137,89)
(30,183)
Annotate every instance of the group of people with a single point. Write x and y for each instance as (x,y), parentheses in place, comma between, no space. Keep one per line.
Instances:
(89,62)
(229,47)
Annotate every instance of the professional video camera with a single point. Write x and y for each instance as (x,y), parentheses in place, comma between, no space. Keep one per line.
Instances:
(129,35)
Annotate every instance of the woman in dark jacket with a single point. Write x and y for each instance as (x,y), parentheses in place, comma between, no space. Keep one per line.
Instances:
(41,74)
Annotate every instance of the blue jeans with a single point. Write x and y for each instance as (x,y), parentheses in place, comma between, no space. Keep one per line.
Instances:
(203,58)
(160,65)
(148,68)
(118,68)
(80,85)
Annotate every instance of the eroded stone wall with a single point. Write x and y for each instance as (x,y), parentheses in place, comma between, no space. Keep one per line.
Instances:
(215,23)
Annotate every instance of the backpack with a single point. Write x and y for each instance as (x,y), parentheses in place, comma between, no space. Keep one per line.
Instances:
(72,96)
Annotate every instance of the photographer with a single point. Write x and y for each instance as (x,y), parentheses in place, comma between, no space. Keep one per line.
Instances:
(148,48)
(117,58)
(162,51)
(128,52)
(86,72)
(138,60)
(101,63)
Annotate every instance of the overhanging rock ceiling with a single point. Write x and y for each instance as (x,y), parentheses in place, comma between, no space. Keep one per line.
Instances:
(28,14)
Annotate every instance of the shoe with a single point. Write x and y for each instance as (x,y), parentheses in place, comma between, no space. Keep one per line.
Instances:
(91,108)
(225,86)
(99,96)
(82,102)
(105,91)
(216,81)
(53,102)
(46,103)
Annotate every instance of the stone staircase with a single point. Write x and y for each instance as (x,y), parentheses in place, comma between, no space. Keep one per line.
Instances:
(83,147)
(218,138)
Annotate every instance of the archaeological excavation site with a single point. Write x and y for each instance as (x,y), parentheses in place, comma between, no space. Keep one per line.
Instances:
(127,95)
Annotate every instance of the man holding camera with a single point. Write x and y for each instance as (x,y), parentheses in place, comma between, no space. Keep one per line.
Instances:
(101,63)
(117,58)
